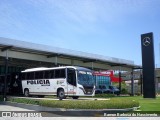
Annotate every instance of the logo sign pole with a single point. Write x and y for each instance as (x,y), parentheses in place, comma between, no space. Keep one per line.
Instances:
(148,65)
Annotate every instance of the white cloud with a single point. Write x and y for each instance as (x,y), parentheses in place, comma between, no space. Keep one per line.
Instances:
(48,18)
(89,11)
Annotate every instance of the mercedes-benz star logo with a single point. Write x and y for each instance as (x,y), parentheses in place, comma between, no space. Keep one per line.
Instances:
(146,41)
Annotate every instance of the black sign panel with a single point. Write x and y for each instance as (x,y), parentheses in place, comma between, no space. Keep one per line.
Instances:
(148,65)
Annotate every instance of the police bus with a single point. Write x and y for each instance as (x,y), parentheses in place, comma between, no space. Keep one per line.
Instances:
(61,81)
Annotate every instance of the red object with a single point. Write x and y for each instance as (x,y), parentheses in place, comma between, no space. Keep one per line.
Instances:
(108,73)
(115,79)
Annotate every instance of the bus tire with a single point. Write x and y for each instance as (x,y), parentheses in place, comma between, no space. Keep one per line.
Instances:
(75,97)
(61,94)
(26,92)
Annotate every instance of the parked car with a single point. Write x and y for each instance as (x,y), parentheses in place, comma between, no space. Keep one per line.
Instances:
(98,91)
(114,90)
(101,89)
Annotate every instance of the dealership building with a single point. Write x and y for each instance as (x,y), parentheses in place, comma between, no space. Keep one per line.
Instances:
(19,55)
(22,55)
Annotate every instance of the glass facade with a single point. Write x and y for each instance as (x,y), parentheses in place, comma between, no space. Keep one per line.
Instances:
(102,80)
(11,69)
(13,83)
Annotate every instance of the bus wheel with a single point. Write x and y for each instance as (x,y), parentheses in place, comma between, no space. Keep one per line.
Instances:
(61,94)
(75,97)
(26,92)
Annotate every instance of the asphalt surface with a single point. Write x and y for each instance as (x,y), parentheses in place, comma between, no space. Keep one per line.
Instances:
(19,110)
(12,108)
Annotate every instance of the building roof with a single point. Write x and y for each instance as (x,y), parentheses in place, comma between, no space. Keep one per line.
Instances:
(51,51)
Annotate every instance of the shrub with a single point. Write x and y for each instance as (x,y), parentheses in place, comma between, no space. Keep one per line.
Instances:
(81,104)
(124,91)
(138,94)
(99,104)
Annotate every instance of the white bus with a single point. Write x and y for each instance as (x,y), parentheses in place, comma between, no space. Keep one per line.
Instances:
(61,81)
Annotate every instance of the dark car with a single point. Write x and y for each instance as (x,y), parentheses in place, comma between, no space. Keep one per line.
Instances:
(101,89)
(114,90)
(98,91)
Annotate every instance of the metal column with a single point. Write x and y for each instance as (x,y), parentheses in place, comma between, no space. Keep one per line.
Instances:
(120,82)
(6,72)
(141,80)
(132,83)
(92,65)
(56,61)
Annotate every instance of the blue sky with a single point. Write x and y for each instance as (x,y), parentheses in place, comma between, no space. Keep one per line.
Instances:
(106,27)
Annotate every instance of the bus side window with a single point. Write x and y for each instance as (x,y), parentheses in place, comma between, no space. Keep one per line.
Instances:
(57,73)
(60,73)
(49,74)
(46,74)
(39,75)
(71,77)
(30,76)
(23,76)
(52,74)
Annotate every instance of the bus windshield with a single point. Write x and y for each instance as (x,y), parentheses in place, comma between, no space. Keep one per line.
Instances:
(85,78)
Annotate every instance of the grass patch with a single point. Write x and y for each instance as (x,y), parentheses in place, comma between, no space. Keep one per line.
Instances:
(100,104)
(80,104)
(145,103)
(150,104)
(23,100)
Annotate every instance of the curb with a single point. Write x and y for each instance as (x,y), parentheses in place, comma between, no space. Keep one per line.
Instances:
(32,107)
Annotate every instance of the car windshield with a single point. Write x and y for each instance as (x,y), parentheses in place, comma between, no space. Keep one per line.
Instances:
(85,78)
(102,87)
(113,87)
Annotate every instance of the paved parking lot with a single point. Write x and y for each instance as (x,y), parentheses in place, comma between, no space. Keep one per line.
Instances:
(12,108)
(20,110)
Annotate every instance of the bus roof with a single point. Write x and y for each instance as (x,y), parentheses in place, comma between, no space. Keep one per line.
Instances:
(52,68)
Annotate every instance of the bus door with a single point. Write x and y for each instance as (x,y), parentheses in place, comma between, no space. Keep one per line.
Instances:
(71,81)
